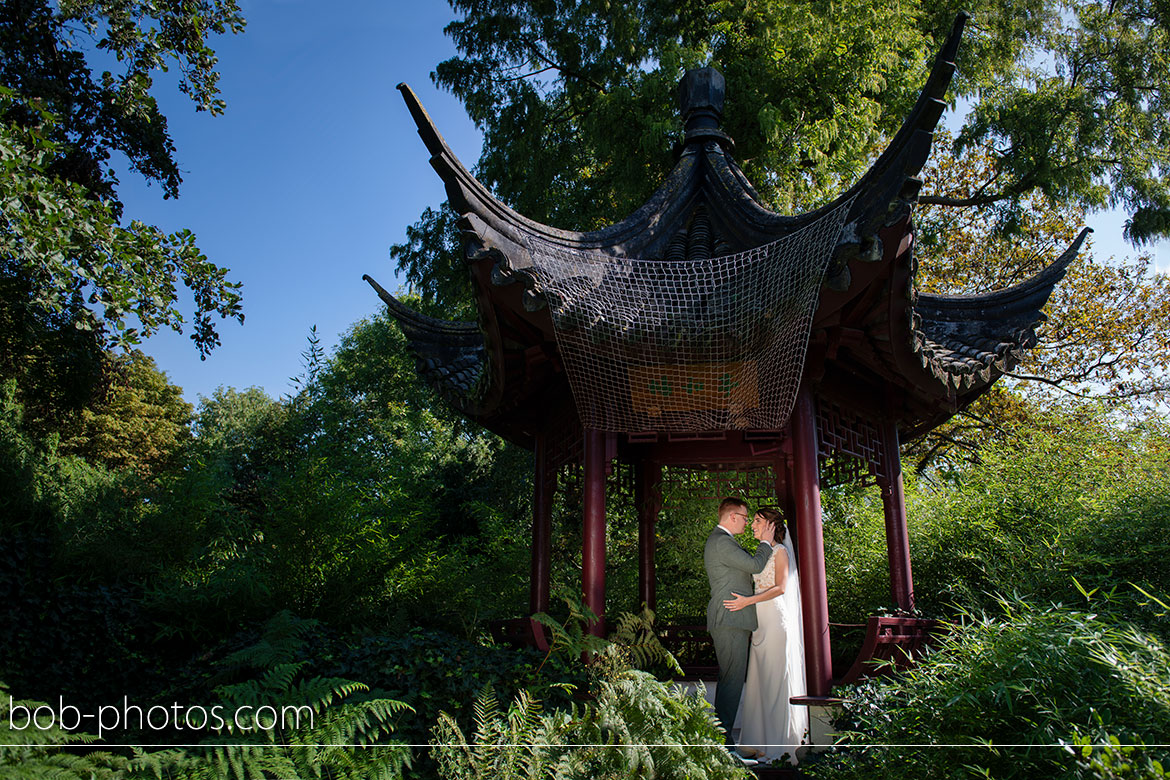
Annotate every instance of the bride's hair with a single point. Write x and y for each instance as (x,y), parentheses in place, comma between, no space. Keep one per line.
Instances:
(775,519)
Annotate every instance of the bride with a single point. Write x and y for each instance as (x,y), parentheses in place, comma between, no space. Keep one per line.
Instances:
(771,727)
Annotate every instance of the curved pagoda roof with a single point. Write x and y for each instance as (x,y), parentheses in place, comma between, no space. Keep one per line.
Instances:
(921,356)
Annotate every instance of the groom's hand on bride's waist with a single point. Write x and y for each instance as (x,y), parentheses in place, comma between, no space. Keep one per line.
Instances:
(736,603)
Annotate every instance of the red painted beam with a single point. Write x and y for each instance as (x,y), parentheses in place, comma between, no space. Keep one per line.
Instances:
(806,492)
(690,453)
(593,531)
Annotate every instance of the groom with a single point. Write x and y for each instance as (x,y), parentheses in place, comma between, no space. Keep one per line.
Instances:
(730,568)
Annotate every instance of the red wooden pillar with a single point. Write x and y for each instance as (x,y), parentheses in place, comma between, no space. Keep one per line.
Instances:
(785,493)
(593,529)
(806,491)
(897,539)
(648,497)
(543,485)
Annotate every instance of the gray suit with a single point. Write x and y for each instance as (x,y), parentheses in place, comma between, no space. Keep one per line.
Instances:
(729,568)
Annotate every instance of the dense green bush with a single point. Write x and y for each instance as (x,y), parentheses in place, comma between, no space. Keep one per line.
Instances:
(437,672)
(622,722)
(627,723)
(359,500)
(1113,760)
(682,531)
(1082,497)
(352,501)
(1020,689)
(348,730)
(42,749)
(1078,497)
(340,731)
(80,636)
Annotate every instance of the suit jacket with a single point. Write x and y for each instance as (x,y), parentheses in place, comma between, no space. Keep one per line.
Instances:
(730,568)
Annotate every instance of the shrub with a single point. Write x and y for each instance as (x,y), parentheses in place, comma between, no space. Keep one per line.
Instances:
(64,632)
(343,716)
(38,748)
(347,735)
(623,723)
(1040,677)
(1113,760)
(1082,497)
(634,726)
(1078,497)
(434,671)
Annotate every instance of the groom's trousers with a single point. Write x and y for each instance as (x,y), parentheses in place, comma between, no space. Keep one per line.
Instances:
(731,651)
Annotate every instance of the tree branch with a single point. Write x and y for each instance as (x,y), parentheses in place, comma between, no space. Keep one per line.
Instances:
(962,203)
(529,75)
(540,55)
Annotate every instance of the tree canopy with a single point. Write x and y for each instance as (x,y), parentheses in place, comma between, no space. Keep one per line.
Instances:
(574,97)
(1064,112)
(140,423)
(67,259)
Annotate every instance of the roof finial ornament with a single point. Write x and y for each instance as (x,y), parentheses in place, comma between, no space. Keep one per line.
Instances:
(700,101)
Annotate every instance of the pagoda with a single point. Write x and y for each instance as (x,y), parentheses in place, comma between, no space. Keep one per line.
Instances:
(708,332)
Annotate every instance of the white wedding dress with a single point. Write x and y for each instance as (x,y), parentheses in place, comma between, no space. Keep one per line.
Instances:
(768,722)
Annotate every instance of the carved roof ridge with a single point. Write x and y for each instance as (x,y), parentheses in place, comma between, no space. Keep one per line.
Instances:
(468,195)
(891,176)
(880,196)
(438,328)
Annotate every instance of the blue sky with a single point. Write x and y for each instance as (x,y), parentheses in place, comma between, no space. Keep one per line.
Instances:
(314,171)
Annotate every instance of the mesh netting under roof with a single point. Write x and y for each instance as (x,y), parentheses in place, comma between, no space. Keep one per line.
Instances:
(687,345)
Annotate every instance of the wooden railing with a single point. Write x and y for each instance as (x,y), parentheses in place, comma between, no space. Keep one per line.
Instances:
(520,632)
(692,648)
(890,643)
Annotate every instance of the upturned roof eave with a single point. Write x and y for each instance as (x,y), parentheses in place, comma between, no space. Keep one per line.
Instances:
(468,196)
(955,347)
(452,357)
(1021,299)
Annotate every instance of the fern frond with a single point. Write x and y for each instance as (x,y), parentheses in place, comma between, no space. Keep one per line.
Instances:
(485,710)
(280,676)
(636,634)
(283,638)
